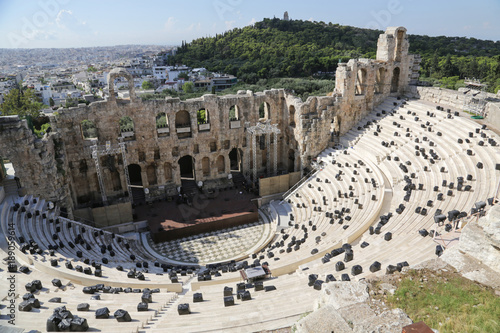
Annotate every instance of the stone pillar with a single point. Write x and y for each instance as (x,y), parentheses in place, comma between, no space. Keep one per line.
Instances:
(275,155)
(144,177)
(268,154)
(254,155)
(246,157)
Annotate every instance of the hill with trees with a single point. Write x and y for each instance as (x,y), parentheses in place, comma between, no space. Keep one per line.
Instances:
(275,48)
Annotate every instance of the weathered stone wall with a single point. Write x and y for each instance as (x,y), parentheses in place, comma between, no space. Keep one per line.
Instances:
(40,164)
(306,128)
(455,99)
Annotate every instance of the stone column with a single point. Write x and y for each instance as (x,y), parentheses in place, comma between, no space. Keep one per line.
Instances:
(246,156)
(275,155)
(268,154)
(254,155)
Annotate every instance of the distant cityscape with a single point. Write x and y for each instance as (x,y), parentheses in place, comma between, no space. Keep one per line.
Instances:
(67,77)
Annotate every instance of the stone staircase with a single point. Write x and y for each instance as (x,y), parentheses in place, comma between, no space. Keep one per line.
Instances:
(189,187)
(138,195)
(10,186)
(238,179)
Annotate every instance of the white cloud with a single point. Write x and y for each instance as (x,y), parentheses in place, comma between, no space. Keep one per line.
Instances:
(171,22)
(252,21)
(229,24)
(63,17)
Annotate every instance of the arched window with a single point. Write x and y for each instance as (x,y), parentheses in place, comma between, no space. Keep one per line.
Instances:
(119,79)
(162,127)
(151,172)
(221,164)
(264,111)
(126,127)
(89,131)
(203,120)
(234,117)
(205,166)
(361,81)
(183,124)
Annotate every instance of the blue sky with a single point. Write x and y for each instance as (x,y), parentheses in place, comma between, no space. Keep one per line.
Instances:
(72,23)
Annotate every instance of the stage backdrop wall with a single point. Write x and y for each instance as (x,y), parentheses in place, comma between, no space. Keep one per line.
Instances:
(277,184)
(107,215)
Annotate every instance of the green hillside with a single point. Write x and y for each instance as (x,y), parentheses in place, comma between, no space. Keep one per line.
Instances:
(276,48)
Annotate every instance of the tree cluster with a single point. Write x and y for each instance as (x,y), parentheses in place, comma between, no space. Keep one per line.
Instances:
(275,48)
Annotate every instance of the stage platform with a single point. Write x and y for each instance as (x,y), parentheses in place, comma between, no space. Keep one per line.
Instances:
(168,220)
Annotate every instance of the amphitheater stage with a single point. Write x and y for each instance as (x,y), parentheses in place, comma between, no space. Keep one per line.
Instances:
(169,220)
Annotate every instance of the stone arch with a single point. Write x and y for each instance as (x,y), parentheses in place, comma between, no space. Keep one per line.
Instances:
(221,164)
(135,174)
(291,111)
(236,159)
(380,80)
(361,81)
(183,124)
(186,167)
(264,111)
(116,73)
(205,166)
(395,80)
(89,130)
(167,169)
(151,173)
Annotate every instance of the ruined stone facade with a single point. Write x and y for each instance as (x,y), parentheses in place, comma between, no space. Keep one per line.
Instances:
(60,167)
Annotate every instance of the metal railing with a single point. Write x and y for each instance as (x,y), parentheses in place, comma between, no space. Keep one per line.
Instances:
(292,189)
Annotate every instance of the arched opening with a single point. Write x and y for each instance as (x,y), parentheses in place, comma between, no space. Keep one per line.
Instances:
(361,81)
(234,117)
(134,173)
(234,113)
(121,81)
(203,120)
(186,166)
(167,168)
(292,115)
(235,158)
(395,80)
(89,130)
(183,124)
(379,80)
(151,173)
(264,111)
(162,127)
(202,116)
(291,160)
(221,164)
(205,166)
(122,87)
(126,127)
